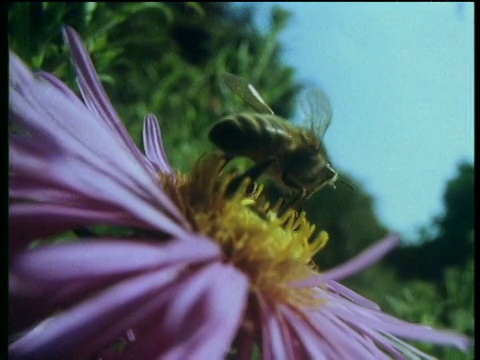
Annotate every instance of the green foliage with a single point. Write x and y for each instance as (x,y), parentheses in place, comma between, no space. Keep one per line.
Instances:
(450,243)
(456,225)
(432,282)
(34,31)
(424,302)
(435,277)
(459,294)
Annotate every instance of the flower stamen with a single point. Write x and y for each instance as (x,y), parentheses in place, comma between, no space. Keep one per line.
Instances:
(273,249)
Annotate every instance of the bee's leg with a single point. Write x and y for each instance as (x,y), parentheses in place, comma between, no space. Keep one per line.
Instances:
(253,173)
(298,198)
(227,158)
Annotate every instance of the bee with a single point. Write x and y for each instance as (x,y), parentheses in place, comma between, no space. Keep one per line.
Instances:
(294,156)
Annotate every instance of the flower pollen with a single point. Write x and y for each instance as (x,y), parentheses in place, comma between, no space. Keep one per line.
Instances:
(273,249)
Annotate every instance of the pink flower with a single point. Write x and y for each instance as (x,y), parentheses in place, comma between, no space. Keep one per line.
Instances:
(199,272)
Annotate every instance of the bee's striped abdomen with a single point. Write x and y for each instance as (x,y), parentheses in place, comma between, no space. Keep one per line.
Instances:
(249,134)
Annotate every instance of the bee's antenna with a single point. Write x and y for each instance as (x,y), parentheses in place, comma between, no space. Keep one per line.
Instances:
(340,180)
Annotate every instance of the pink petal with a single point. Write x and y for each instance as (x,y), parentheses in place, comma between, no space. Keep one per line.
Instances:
(201,317)
(68,333)
(53,80)
(222,306)
(275,338)
(64,263)
(348,317)
(314,345)
(351,295)
(75,151)
(46,220)
(153,143)
(93,92)
(365,259)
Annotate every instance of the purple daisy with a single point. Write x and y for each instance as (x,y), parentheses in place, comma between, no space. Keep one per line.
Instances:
(202,273)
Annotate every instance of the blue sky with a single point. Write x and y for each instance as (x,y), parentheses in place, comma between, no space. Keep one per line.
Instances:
(400,78)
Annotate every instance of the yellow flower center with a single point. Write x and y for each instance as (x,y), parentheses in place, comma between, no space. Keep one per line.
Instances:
(273,250)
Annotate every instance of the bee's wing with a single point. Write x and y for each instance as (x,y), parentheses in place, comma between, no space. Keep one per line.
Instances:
(247,92)
(317,109)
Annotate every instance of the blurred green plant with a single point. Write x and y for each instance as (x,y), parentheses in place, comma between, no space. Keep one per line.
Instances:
(447,241)
(434,278)
(430,304)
